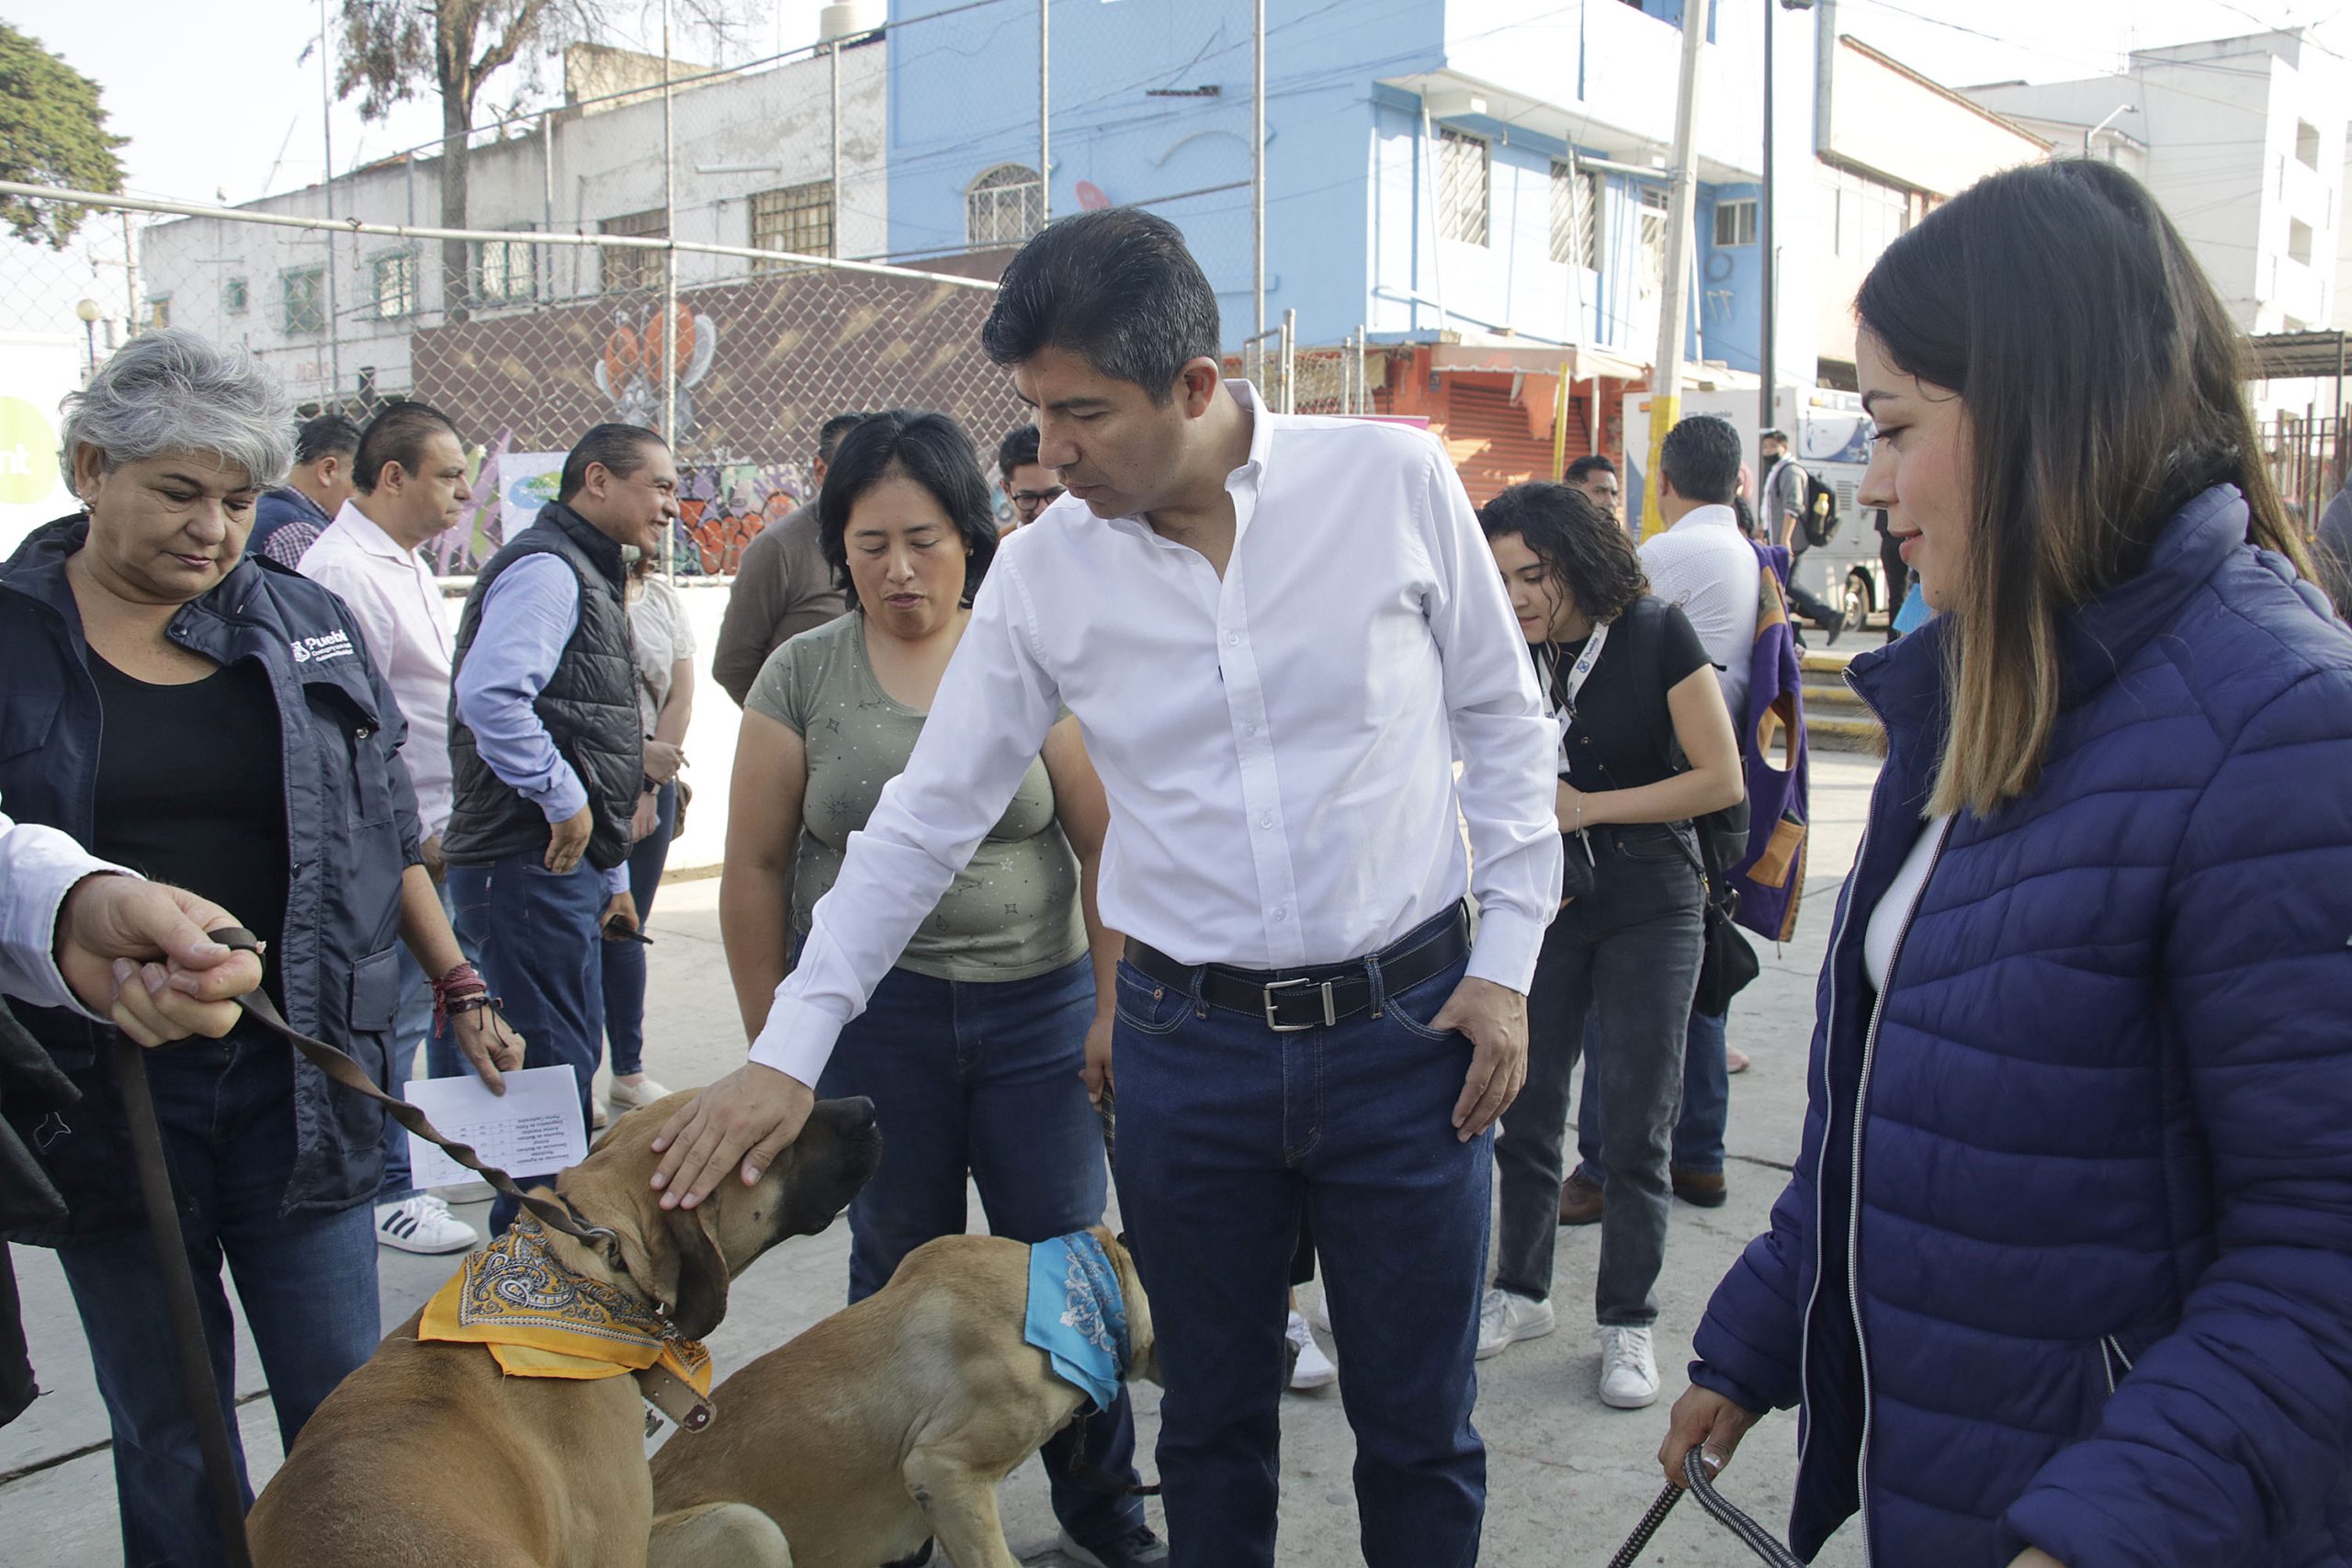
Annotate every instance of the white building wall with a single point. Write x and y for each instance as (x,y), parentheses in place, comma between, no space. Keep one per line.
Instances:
(753,132)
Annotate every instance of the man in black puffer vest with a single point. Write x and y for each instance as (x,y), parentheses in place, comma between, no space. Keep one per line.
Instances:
(547,750)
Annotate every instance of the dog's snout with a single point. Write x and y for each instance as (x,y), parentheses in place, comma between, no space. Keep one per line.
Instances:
(851,1115)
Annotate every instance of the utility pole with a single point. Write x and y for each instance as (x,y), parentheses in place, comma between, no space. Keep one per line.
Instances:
(1765,368)
(1674,297)
(1258,170)
(1044,116)
(332,401)
(666,323)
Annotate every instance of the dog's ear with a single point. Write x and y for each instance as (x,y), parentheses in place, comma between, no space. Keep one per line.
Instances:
(672,1259)
(698,1278)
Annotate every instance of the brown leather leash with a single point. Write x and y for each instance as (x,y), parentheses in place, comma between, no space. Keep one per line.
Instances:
(672,1395)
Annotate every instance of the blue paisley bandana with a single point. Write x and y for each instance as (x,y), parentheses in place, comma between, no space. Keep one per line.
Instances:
(1077,1315)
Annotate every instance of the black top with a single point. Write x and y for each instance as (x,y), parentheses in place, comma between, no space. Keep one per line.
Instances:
(191,790)
(1624,737)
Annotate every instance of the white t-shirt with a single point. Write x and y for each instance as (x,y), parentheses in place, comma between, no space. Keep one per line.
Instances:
(1704,564)
(658,628)
(1893,911)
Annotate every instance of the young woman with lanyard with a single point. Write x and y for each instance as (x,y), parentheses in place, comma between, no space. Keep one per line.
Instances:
(1646,745)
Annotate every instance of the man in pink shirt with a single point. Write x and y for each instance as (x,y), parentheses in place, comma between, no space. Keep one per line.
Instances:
(409,480)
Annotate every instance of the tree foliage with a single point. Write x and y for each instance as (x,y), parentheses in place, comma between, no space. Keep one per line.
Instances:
(53,133)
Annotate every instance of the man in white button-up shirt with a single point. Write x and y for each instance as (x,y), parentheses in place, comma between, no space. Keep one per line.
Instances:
(1277,633)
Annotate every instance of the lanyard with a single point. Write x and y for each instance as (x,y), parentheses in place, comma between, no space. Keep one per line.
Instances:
(1566,716)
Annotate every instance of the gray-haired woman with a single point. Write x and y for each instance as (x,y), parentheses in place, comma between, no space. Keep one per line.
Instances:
(215,723)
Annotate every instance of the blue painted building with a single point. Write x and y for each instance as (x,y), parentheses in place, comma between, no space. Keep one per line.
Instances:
(1479,183)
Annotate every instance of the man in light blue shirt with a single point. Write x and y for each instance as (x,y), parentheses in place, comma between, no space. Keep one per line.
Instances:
(547,749)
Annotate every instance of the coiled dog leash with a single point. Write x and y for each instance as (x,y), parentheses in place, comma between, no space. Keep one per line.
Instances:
(1702,1486)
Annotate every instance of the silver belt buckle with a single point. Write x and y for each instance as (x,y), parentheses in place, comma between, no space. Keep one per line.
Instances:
(1330,1015)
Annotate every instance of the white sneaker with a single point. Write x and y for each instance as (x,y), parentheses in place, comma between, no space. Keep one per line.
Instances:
(1318,1311)
(1507,1318)
(1312,1368)
(422,1223)
(628,1097)
(1628,1370)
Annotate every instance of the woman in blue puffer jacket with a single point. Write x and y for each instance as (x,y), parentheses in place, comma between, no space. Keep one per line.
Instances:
(2065,1274)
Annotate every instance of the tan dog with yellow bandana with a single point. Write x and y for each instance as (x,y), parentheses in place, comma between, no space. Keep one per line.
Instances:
(499,1427)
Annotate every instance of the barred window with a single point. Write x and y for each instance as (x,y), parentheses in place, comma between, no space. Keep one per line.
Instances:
(627,267)
(159,310)
(799,218)
(392,285)
(1004,206)
(233,296)
(1651,238)
(1736,222)
(304,296)
(1576,217)
(1462,174)
(505,271)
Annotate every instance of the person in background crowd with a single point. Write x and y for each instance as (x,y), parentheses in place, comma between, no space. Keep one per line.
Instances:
(1644,745)
(290,516)
(2060,1276)
(1278,634)
(409,487)
(548,749)
(1597,476)
(1701,564)
(2332,550)
(1891,568)
(782,587)
(1781,517)
(984,1046)
(213,722)
(1029,485)
(664,648)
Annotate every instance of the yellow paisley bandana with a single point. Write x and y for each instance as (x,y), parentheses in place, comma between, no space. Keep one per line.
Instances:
(541,1321)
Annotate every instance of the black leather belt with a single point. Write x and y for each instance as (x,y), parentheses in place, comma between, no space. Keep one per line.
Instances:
(1293,1000)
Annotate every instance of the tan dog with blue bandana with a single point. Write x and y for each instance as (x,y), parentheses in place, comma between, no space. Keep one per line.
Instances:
(514,1439)
(890,1423)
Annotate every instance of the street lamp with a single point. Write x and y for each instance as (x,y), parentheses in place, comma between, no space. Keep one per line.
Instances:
(2112,115)
(89,311)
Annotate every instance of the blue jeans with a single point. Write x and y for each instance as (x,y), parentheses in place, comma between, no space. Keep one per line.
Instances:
(442,1059)
(1230,1135)
(307,1283)
(1706,1103)
(534,936)
(983,1077)
(623,963)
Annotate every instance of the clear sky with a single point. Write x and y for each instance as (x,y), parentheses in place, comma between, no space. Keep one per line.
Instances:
(218,101)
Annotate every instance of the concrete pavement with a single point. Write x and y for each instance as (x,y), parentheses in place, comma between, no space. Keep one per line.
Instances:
(1567,1476)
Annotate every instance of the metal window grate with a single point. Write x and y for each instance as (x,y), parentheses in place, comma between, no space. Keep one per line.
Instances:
(1463,175)
(505,272)
(799,218)
(1576,217)
(1004,206)
(233,296)
(629,266)
(305,299)
(392,285)
(1651,276)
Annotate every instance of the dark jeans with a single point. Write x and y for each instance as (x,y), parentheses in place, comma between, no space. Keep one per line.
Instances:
(308,1284)
(623,963)
(535,938)
(442,1057)
(982,1078)
(1698,1143)
(1627,953)
(1230,1135)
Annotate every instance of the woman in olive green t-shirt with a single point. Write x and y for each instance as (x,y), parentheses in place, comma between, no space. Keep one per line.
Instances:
(983,1048)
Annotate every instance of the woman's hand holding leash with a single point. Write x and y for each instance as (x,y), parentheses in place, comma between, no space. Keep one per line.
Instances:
(1705,1420)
